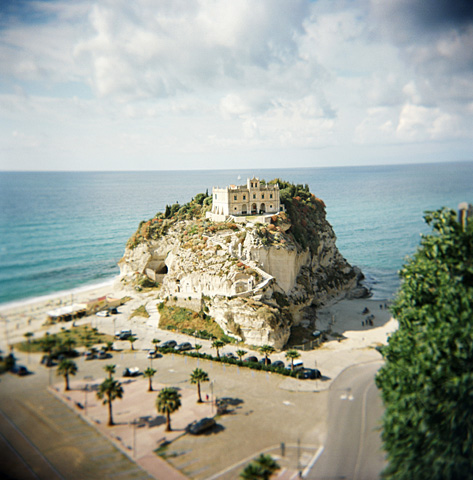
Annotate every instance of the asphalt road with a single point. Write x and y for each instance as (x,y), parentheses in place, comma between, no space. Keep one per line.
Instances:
(41,438)
(352,450)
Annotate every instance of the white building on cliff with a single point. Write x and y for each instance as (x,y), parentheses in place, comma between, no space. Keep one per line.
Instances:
(253,198)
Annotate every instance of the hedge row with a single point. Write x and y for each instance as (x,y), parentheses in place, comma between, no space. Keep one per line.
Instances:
(232,361)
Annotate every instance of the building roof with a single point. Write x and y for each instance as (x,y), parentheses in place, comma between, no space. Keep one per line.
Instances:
(66,310)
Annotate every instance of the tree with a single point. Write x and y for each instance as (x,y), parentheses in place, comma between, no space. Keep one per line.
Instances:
(65,368)
(132,339)
(149,373)
(197,377)
(197,347)
(69,343)
(266,350)
(427,380)
(292,355)
(218,344)
(260,469)
(167,402)
(48,343)
(10,362)
(110,369)
(109,390)
(108,346)
(252,472)
(241,354)
(28,336)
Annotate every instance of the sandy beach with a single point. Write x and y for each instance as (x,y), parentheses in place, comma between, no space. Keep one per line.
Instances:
(355,339)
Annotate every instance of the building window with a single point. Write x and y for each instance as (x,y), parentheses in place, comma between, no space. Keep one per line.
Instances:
(215,196)
(244,197)
(235,208)
(270,195)
(254,196)
(251,185)
(234,197)
(271,207)
(262,196)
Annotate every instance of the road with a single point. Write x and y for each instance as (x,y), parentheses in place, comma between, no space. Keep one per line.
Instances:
(352,450)
(41,438)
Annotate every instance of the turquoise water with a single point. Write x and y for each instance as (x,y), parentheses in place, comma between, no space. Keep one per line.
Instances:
(61,230)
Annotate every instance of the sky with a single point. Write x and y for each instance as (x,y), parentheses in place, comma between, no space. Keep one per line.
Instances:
(207,84)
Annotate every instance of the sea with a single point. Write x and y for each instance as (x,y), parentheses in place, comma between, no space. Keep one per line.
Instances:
(60,231)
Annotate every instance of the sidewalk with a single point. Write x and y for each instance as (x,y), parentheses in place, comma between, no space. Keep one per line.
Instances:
(139,428)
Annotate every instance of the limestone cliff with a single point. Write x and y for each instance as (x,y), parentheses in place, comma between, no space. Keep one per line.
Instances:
(254,276)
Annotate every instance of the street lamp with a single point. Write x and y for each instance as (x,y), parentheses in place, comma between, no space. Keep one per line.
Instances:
(212,394)
(137,422)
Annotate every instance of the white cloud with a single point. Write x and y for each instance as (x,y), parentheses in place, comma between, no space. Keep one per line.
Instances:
(123,82)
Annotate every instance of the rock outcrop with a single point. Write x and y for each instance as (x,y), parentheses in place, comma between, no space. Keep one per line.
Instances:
(254,279)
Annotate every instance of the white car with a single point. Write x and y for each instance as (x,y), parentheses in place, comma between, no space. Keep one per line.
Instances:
(102,313)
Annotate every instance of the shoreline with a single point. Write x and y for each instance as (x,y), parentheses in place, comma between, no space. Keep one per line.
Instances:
(54,296)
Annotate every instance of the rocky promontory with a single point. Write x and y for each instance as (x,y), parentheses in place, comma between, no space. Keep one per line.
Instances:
(256,276)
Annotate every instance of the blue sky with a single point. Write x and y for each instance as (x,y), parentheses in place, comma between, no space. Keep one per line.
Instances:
(189,84)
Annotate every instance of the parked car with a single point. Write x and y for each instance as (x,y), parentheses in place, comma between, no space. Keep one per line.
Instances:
(200,426)
(20,370)
(230,355)
(103,313)
(309,373)
(131,372)
(153,354)
(47,360)
(298,365)
(278,364)
(251,359)
(169,344)
(182,347)
(103,355)
(123,334)
(90,355)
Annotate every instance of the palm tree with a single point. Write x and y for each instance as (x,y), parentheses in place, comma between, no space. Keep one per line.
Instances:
(155,342)
(292,355)
(108,346)
(266,350)
(28,336)
(241,354)
(149,373)
(48,343)
(218,344)
(197,347)
(168,401)
(197,377)
(109,390)
(110,369)
(65,368)
(69,342)
(132,339)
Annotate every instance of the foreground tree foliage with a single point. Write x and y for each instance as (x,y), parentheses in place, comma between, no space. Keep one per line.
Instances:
(427,380)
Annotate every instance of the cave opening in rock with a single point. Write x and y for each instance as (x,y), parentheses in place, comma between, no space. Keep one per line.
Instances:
(162,270)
